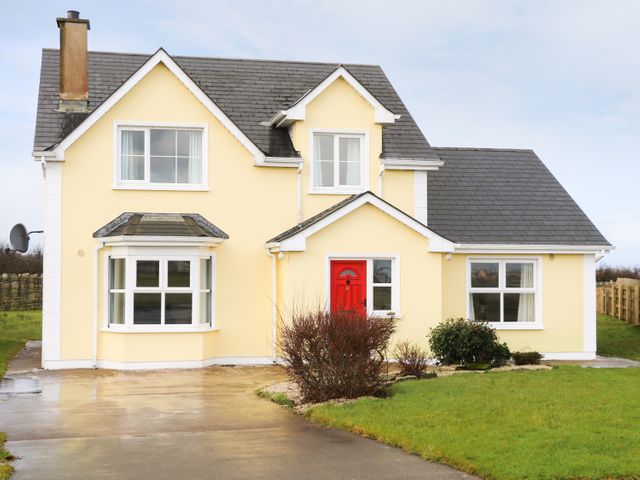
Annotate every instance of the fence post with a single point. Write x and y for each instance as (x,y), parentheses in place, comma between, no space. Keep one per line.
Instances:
(636,305)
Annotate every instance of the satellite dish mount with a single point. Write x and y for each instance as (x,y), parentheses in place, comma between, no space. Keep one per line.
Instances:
(19,237)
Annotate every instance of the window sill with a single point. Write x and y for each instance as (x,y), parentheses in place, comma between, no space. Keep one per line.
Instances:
(336,191)
(395,316)
(161,186)
(157,329)
(516,326)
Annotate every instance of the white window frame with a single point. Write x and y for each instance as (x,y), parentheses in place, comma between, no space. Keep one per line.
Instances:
(537,324)
(395,311)
(146,184)
(131,288)
(337,189)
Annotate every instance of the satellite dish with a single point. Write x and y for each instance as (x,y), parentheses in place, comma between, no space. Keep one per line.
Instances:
(19,238)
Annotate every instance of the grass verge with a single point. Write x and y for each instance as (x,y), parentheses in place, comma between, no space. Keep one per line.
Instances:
(16,328)
(279,398)
(618,339)
(570,422)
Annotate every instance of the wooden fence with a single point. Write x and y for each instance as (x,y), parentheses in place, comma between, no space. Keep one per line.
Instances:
(620,300)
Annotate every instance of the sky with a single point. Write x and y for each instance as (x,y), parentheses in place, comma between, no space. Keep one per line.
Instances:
(561,77)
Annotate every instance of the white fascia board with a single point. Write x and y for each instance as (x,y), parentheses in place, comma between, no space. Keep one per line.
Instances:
(298,111)
(286,162)
(506,248)
(411,164)
(297,242)
(147,240)
(159,57)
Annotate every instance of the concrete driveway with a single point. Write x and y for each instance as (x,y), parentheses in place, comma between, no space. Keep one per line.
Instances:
(183,424)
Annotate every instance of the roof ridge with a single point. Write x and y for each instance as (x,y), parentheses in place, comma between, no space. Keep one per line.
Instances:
(485,149)
(238,59)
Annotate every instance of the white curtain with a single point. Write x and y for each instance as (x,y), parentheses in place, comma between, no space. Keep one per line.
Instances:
(526,301)
(349,161)
(472,312)
(195,156)
(127,168)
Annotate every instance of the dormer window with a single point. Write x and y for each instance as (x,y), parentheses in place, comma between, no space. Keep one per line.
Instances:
(338,163)
(161,158)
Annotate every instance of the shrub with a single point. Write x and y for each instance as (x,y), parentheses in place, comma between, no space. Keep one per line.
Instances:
(335,354)
(457,341)
(526,358)
(412,359)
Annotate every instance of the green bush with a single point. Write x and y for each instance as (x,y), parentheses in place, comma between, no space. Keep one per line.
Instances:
(458,341)
(526,358)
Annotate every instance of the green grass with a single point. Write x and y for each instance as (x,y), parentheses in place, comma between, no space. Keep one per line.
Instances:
(15,329)
(570,422)
(279,398)
(618,339)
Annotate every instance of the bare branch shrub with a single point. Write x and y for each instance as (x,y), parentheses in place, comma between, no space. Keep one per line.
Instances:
(335,354)
(412,359)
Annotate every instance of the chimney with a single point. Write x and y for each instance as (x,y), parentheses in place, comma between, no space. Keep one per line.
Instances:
(74,68)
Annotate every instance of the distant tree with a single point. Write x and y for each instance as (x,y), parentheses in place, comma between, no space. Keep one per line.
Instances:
(606,273)
(15,262)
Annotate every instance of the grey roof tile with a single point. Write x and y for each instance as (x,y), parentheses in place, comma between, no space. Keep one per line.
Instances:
(247,91)
(503,196)
(160,224)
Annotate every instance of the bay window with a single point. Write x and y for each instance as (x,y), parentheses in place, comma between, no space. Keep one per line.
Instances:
(338,162)
(160,292)
(504,292)
(155,156)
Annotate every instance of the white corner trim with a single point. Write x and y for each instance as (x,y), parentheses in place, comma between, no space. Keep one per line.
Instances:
(297,242)
(569,355)
(411,164)
(178,364)
(298,110)
(589,303)
(420,196)
(51,277)
(159,57)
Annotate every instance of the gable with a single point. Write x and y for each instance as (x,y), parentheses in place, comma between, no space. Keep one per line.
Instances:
(160,58)
(339,106)
(295,238)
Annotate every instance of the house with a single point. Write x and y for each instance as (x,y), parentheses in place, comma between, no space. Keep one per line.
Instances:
(191,201)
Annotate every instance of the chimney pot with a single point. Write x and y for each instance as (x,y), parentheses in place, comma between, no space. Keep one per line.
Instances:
(74,64)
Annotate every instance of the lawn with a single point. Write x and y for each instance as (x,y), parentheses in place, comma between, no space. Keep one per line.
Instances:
(570,422)
(15,329)
(618,339)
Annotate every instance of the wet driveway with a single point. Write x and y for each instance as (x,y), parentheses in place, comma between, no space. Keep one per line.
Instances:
(181,424)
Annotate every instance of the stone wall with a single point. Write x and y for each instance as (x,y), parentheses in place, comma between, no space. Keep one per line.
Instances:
(20,291)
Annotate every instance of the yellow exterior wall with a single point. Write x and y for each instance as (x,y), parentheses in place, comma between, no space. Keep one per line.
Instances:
(360,233)
(252,204)
(562,309)
(234,202)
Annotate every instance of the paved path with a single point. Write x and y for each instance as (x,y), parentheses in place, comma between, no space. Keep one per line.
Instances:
(184,424)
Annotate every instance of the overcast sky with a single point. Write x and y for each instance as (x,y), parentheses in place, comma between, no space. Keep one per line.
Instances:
(560,77)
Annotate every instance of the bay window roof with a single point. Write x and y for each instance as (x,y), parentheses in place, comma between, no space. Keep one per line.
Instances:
(160,225)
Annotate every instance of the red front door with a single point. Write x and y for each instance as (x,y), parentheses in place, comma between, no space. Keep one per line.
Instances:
(349,286)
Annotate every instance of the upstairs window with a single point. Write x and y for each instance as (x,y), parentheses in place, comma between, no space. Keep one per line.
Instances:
(338,163)
(160,157)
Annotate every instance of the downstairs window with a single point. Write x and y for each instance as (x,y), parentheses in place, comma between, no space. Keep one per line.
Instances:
(160,292)
(503,291)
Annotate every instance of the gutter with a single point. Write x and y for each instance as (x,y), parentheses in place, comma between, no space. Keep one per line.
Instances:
(274,308)
(96,293)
